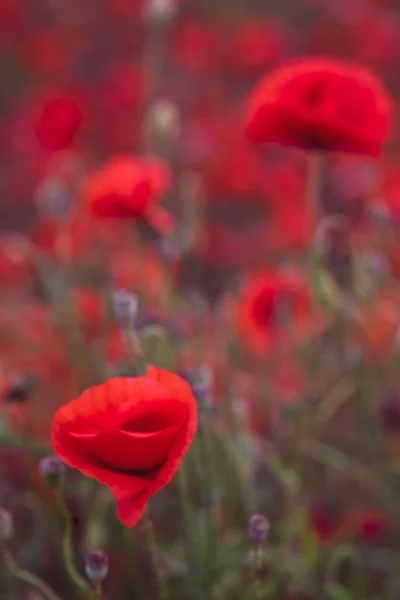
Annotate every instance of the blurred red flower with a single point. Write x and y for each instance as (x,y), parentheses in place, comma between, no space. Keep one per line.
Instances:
(43,53)
(229,249)
(320,104)
(256,44)
(235,168)
(57,120)
(129,434)
(274,307)
(330,524)
(195,46)
(90,311)
(127,187)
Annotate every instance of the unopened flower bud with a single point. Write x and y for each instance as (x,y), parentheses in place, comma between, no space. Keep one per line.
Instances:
(20,388)
(6,526)
(125,309)
(379,213)
(160,12)
(324,290)
(259,527)
(54,198)
(96,566)
(163,120)
(51,468)
(390,413)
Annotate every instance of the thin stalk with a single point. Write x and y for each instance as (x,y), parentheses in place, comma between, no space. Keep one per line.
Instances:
(97,593)
(187,506)
(67,547)
(313,193)
(152,548)
(26,577)
(340,554)
(133,339)
(256,593)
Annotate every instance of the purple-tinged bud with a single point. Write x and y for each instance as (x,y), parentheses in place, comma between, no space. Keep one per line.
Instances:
(390,413)
(6,526)
(96,566)
(125,309)
(54,198)
(259,527)
(20,388)
(51,469)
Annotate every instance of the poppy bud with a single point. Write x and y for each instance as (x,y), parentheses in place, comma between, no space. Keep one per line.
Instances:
(51,468)
(155,344)
(324,290)
(96,566)
(202,384)
(163,120)
(160,12)
(19,389)
(390,413)
(6,526)
(259,527)
(53,198)
(125,309)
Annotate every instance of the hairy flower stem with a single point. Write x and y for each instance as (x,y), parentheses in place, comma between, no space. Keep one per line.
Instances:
(97,593)
(188,513)
(28,578)
(314,181)
(255,571)
(132,338)
(152,548)
(67,547)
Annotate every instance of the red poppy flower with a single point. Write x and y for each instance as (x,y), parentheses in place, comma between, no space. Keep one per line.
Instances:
(129,434)
(195,46)
(320,104)
(256,44)
(236,169)
(229,249)
(274,307)
(58,118)
(43,53)
(89,310)
(121,88)
(126,187)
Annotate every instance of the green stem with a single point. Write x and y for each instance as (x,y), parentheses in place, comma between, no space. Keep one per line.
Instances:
(186,505)
(341,553)
(152,548)
(134,341)
(29,578)
(255,569)
(96,593)
(314,182)
(67,547)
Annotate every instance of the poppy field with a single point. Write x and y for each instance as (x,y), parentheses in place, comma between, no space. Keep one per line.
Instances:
(199,300)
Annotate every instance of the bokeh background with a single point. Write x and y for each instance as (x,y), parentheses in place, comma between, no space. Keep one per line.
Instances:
(84,81)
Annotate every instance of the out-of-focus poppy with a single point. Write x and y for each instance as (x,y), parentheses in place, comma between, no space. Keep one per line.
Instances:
(256,44)
(235,169)
(127,187)
(57,119)
(195,46)
(320,104)
(274,307)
